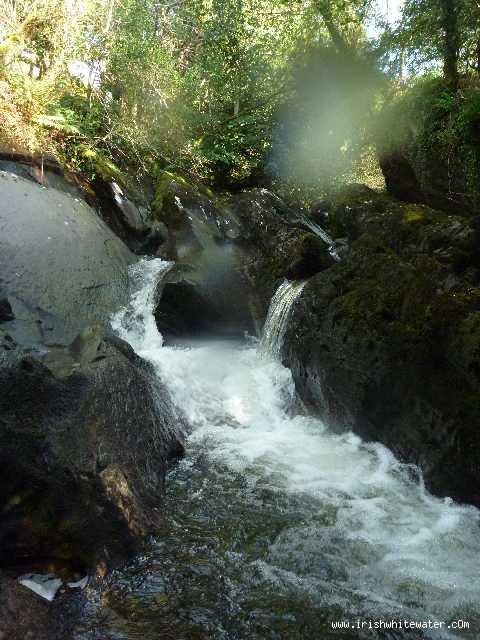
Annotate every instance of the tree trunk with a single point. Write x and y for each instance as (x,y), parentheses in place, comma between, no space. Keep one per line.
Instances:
(337,37)
(401,66)
(449,20)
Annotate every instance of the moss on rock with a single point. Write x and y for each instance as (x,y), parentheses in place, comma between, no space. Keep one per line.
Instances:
(100,166)
(387,342)
(162,188)
(428,145)
(310,255)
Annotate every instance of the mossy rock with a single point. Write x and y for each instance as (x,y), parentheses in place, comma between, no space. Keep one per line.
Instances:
(207,191)
(162,189)
(171,191)
(103,167)
(407,229)
(310,255)
(428,145)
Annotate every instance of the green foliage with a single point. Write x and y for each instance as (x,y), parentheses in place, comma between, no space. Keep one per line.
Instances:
(194,86)
(432,122)
(202,87)
(421,37)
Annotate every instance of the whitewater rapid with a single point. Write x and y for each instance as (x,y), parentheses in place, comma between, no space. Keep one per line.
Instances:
(367,539)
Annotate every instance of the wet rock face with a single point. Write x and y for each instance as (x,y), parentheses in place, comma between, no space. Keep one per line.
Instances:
(129,219)
(195,221)
(232,254)
(276,242)
(387,342)
(26,616)
(86,428)
(82,455)
(186,310)
(192,306)
(62,268)
(310,255)
(207,292)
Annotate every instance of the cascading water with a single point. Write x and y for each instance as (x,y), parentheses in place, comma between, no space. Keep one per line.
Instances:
(278,316)
(275,527)
(310,224)
(136,323)
(321,233)
(317,230)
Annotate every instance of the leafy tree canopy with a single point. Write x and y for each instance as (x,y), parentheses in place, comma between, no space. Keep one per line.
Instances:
(228,91)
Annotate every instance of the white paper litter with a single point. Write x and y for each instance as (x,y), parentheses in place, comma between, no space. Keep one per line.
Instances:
(46,586)
(80,584)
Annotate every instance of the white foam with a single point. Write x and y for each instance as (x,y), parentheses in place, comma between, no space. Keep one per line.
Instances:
(366,516)
(136,322)
(79,584)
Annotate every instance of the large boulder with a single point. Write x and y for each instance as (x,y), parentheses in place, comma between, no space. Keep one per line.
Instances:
(86,427)
(119,202)
(413,176)
(61,267)
(207,299)
(408,229)
(428,145)
(386,343)
(83,453)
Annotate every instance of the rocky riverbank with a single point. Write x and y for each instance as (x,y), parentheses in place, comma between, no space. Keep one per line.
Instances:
(87,429)
(386,343)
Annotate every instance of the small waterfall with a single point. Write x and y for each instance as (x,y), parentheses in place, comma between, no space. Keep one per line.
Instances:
(279,314)
(317,230)
(307,222)
(136,322)
(322,234)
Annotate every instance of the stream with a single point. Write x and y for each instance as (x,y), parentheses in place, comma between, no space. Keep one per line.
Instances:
(276,527)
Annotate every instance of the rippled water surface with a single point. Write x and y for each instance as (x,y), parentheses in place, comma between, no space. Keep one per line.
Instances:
(276,527)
